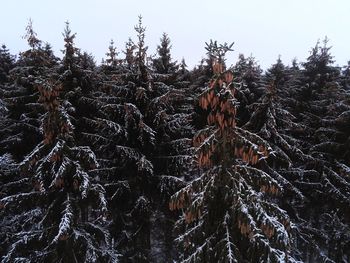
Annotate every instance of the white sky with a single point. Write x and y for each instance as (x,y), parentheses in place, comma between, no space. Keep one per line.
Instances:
(264,28)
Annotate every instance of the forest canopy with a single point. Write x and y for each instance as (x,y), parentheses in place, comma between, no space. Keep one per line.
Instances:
(141,159)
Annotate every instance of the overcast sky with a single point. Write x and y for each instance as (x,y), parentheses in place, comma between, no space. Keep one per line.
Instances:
(264,28)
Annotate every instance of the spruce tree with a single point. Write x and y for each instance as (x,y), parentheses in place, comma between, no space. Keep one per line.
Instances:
(7,62)
(129,53)
(227,215)
(112,54)
(141,131)
(65,205)
(248,73)
(317,101)
(20,96)
(163,63)
(318,66)
(90,156)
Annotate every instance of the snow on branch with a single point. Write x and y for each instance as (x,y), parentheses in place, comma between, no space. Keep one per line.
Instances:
(66,223)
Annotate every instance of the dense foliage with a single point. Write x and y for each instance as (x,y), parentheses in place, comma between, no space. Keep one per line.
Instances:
(140,159)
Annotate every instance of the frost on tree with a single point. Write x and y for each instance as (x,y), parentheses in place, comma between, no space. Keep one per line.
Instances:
(228,213)
(64,207)
(274,124)
(326,113)
(108,145)
(141,130)
(19,94)
(247,72)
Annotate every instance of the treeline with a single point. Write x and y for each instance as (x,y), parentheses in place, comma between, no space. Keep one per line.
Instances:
(141,160)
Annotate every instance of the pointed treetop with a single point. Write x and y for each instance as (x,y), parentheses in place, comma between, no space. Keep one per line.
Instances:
(141,52)
(112,54)
(163,64)
(139,28)
(31,36)
(70,50)
(218,52)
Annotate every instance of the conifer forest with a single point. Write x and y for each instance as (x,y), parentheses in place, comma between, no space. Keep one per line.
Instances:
(141,159)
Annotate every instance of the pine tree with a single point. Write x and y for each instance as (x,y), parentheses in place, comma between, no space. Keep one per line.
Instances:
(141,131)
(314,96)
(227,217)
(78,76)
(141,54)
(183,71)
(163,64)
(86,61)
(37,56)
(61,200)
(70,52)
(129,53)
(318,66)
(20,96)
(274,123)
(277,73)
(112,54)
(7,62)
(248,73)
(90,156)
(325,115)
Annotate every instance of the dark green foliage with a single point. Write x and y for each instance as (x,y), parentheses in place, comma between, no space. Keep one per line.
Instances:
(256,165)
(318,66)
(248,73)
(227,217)
(21,132)
(140,129)
(58,194)
(7,62)
(112,54)
(70,51)
(163,64)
